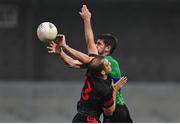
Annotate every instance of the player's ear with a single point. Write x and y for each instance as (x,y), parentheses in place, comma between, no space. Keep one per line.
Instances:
(108,48)
(103,72)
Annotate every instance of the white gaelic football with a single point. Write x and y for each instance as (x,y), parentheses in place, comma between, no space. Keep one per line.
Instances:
(46,31)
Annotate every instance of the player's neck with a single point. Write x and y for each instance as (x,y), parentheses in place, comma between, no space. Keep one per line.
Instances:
(104,77)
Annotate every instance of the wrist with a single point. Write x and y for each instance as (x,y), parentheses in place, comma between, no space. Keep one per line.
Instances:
(64,46)
(57,49)
(87,20)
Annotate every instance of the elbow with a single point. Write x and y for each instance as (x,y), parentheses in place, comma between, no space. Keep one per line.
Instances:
(71,66)
(74,65)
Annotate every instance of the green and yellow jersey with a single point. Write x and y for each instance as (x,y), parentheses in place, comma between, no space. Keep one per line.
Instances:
(115,76)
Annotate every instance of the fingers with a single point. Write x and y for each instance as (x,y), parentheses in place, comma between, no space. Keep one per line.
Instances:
(61,35)
(58,39)
(54,47)
(123,80)
(120,83)
(50,49)
(84,10)
(85,7)
(51,44)
(80,13)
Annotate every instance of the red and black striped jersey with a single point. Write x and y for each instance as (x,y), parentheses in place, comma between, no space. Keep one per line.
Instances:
(96,94)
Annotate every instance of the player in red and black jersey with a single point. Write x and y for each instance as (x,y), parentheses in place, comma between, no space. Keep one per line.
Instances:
(92,100)
(98,94)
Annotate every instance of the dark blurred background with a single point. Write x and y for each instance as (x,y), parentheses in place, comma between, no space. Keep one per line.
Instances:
(148,33)
(37,87)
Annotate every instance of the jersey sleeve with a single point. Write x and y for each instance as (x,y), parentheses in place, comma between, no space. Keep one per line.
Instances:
(108,102)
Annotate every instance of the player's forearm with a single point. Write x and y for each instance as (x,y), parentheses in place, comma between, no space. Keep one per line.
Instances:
(88,31)
(114,99)
(109,111)
(69,61)
(89,36)
(78,55)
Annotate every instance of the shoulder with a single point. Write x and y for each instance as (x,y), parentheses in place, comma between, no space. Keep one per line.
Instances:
(112,60)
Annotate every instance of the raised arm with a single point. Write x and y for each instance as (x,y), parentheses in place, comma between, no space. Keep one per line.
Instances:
(89,36)
(82,57)
(69,61)
(72,63)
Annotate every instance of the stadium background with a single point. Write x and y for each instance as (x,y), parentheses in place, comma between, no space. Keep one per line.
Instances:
(37,87)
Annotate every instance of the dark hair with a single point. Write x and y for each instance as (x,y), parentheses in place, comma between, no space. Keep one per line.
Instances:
(96,65)
(109,39)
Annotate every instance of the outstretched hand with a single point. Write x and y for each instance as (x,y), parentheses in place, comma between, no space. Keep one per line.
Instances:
(54,48)
(85,13)
(120,83)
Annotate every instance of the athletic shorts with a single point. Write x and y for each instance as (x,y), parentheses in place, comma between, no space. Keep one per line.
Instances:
(121,114)
(80,118)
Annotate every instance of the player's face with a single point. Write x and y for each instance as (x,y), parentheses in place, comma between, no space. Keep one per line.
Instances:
(100,46)
(107,67)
